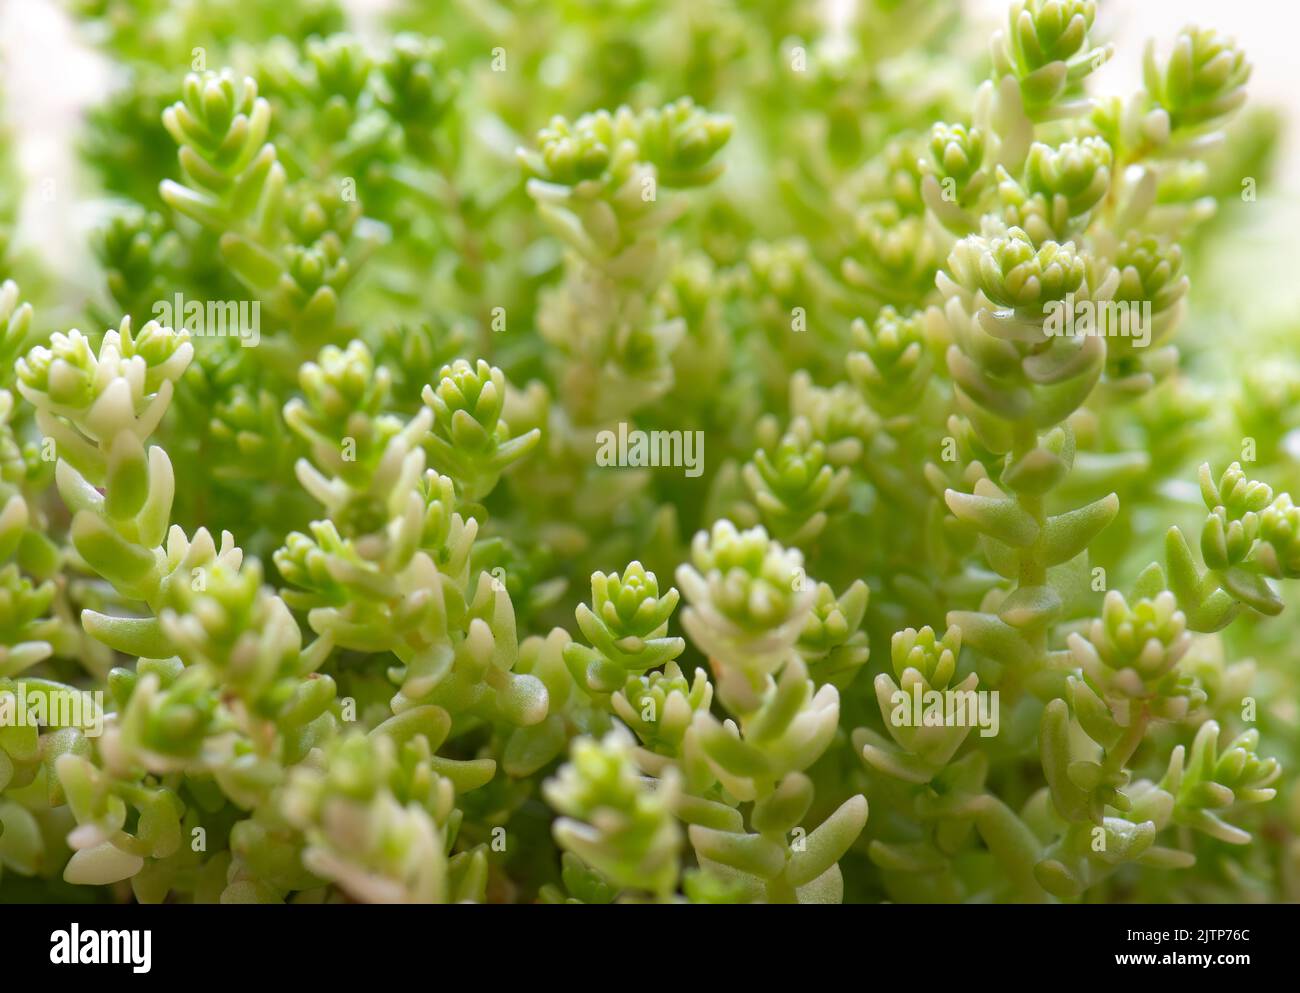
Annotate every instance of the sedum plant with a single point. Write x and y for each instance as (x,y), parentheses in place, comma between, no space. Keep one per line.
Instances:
(339,525)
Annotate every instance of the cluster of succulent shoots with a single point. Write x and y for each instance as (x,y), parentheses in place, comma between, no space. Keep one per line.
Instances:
(294,590)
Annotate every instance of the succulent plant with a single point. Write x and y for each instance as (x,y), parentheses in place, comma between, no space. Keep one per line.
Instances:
(342,523)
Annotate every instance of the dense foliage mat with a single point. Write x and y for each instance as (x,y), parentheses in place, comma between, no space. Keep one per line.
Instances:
(780,485)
